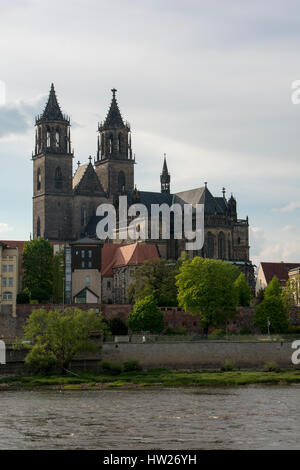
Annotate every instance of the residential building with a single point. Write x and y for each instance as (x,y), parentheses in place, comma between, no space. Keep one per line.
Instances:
(267,271)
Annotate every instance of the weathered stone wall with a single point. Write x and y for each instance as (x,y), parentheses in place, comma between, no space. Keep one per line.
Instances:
(198,355)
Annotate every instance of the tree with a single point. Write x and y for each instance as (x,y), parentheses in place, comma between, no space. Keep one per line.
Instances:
(146,316)
(155,277)
(259,296)
(37,265)
(273,310)
(117,327)
(57,336)
(273,288)
(243,290)
(58,276)
(23,298)
(41,295)
(206,288)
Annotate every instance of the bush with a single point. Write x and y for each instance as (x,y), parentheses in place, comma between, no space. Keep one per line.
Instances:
(271,367)
(245,331)
(227,366)
(23,298)
(131,365)
(40,361)
(176,331)
(217,332)
(146,316)
(114,368)
(294,330)
(117,327)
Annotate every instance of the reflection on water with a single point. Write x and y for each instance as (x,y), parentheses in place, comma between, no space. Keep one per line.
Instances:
(256,417)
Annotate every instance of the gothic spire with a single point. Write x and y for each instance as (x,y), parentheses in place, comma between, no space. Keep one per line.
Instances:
(52,111)
(113,118)
(165,177)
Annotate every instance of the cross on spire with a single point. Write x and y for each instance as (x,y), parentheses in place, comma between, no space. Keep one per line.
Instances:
(114,90)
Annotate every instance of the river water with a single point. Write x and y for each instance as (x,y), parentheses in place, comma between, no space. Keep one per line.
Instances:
(253,417)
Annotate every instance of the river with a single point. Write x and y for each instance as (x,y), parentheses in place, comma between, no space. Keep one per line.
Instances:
(252,417)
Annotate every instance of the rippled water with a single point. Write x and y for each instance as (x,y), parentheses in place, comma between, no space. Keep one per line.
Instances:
(256,417)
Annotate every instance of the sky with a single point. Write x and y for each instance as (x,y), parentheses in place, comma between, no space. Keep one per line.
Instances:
(207,82)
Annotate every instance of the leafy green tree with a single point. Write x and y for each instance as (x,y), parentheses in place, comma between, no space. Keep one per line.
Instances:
(273,288)
(146,316)
(60,335)
(243,290)
(259,296)
(155,277)
(206,288)
(23,298)
(37,265)
(58,276)
(271,309)
(41,295)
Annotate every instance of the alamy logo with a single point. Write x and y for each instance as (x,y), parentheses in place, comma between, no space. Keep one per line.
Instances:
(2,92)
(296,354)
(184,221)
(2,353)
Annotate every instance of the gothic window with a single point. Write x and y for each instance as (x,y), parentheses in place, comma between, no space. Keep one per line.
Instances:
(58,178)
(48,138)
(83,215)
(57,138)
(221,245)
(38,227)
(229,248)
(102,145)
(39,179)
(210,245)
(111,142)
(121,181)
(119,143)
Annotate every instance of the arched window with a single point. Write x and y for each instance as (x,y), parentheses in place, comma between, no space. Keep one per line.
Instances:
(210,245)
(48,138)
(221,246)
(58,178)
(38,179)
(111,144)
(121,181)
(38,227)
(57,138)
(83,215)
(229,248)
(120,143)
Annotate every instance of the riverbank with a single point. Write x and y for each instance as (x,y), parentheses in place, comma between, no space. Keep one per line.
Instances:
(150,378)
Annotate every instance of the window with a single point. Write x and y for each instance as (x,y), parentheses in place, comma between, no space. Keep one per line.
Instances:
(121,181)
(4,282)
(89,264)
(57,138)
(111,144)
(87,281)
(58,178)
(210,245)
(108,284)
(83,264)
(10,281)
(82,254)
(90,253)
(83,215)
(7,296)
(4,268)
(221,246)
(38,227)
(120,143)
(39,179)
(48,138)
(10,268)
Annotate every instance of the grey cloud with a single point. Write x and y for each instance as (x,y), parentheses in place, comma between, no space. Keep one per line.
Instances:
(18,117)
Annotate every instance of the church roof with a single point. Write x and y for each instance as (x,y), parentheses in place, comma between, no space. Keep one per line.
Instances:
(52,111)
(86,180)
(200,196)
(113,118)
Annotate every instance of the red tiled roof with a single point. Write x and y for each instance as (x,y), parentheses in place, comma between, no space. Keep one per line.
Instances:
(135,254)
(280,270)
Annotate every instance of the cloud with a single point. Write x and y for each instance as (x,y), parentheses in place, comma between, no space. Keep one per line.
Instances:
(289,207)
(5,228)
(17,117)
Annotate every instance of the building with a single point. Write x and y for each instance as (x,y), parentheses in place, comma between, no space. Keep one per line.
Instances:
(119,263)
(9,273)
(267,271)
(294,278)
(64,204)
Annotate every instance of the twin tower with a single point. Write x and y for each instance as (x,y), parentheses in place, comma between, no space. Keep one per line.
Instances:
(63,203)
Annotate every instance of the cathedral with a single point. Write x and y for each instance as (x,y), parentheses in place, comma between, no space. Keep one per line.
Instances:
(65,201)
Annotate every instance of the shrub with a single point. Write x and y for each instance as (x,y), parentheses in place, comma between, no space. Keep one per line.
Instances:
(271,367)
(245,331)
(294,329)
(117,327)
(227,366)
(23,298)
(40,361)
(176,331)
(131,365)
(114,368)
(217,332)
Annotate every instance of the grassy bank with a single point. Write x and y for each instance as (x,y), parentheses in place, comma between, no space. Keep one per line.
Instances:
(150,378)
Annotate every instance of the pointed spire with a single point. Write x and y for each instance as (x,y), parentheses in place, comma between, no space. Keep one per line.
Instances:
(113,118)
(52,111)
(165,177)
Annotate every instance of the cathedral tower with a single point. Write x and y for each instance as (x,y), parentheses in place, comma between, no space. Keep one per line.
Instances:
(52,174)
(114,163)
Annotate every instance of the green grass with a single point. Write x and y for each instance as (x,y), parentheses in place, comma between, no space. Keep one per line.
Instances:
(154,377)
